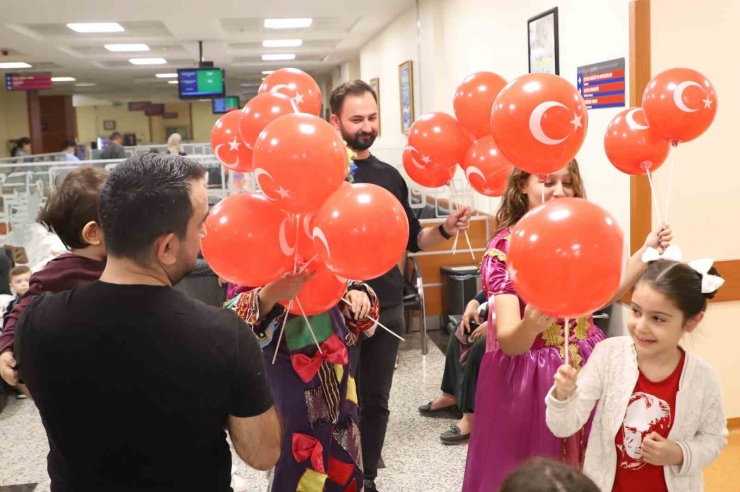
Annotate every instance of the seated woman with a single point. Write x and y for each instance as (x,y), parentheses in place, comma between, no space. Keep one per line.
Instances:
(314,392)
(464,354)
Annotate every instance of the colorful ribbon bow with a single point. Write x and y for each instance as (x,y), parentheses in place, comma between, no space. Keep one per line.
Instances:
(305,447)
(672,252)
(709,283)
(306,367)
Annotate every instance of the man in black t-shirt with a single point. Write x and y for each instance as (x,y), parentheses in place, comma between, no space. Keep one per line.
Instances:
(354,107)
(163,374)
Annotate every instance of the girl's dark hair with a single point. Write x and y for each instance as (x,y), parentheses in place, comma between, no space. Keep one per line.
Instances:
(543,475)
(19,145)
(681,284)
(73,204)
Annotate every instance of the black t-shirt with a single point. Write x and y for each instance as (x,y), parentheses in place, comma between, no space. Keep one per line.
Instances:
(134,384)
(389,287)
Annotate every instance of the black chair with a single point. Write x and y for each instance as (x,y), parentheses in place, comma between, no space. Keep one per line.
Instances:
(413,299)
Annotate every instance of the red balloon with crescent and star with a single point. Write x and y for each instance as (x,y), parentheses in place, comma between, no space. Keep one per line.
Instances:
(539,121)
(440,140)
(297,85)
(430,178)
(259,112)
(486,168)
(631,146)
(228,146)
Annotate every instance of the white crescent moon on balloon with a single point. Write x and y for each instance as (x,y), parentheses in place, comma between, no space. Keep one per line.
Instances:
(278,87)
(535,123)
(630,118)
(284,246)
(307,223)
(258,173)
(222,161)
(413,159)
(474,170)
(678,95)
(319,234)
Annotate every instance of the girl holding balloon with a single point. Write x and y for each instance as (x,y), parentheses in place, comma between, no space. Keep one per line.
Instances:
(529,347)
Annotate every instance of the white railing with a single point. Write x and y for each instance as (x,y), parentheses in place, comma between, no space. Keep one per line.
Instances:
(52,157)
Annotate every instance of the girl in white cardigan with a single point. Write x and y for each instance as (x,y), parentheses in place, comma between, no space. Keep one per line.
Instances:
(659,419)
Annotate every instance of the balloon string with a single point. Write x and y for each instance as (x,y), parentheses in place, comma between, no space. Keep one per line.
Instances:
(282,329)
(297,219)
(467,237)
(305,265)
(378,323)
(567,340)
(655,197)
(309,325)
(543,193)
(670,182)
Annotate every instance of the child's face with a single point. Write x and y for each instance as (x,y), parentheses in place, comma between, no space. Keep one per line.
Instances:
(556,185)
(19,283)
(655,324)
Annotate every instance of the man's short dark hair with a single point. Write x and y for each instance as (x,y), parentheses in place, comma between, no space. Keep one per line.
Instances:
(146,196)
(351,88)
(68,143)
(115,135)
(73,204)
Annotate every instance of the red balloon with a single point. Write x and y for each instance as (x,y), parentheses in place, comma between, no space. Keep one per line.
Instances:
(440,140)
(539,122)
(297,85)
(306,249)
(565,257)
(361,232)
(321,293)
(486,167)
(680,104)
(260,112)
(474,99)
(248,240)
(299,160)
(632,146)
(228,146)
(426,177)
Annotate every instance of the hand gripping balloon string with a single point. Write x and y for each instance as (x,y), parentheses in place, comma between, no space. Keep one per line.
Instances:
(305,265)
(282,329)
(670,182)
(309,325)
(467,238)
(655,197)
(377,322)
(567,340)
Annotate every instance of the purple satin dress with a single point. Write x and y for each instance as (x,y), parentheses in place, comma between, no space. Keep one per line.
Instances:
(509,426)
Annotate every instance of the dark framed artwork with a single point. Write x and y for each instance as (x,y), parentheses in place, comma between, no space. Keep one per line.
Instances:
(406,88)
(544,45)
(109,125)
(375,84)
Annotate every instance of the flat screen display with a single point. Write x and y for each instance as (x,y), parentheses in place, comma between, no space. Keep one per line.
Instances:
(201,82)
(28,81)
(223,105)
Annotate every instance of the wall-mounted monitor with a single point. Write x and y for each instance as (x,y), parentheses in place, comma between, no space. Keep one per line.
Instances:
(201,82)
(223,105)
(28,81)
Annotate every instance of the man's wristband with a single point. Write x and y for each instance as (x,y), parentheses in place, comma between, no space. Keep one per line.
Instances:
(443,232)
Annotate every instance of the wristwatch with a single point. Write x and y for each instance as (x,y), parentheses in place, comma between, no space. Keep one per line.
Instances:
(443,232)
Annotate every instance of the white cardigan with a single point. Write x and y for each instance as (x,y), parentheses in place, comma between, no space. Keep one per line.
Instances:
(609,378)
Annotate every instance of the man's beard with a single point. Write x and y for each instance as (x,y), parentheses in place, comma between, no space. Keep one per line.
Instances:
(360,141)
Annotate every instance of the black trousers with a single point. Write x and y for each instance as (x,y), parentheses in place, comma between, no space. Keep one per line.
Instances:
(373,362)
(458,380)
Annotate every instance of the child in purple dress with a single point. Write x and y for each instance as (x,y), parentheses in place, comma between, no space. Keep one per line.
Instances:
(526,348)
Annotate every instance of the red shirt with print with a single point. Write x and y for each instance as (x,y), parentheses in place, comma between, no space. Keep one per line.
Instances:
(652,408)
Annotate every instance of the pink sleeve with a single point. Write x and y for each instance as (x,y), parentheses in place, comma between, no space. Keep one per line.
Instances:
(495,276)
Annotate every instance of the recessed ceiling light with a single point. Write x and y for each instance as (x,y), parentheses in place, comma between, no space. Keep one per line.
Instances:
(252,84)
(85,84)
(63,79)
(278,57)
(173,82)
(267,72)
(288,23)
(127,47)
(148,61)
(166,75)
(15,65)
(96,27)
(282,43)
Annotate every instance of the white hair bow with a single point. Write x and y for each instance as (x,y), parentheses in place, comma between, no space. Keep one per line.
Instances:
(672,252)
(709,283)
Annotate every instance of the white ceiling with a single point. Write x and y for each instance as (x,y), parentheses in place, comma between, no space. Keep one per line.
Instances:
(35,31)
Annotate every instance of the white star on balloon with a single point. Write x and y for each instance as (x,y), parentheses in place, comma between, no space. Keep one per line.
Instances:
(283,192)
(234,144)
(487,191)
(707,103)
(576,122)
(298,98)
(426,159)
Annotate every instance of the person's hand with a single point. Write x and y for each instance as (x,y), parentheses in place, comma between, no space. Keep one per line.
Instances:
(222,282)
(565,382)
(7,368)
(286,287)
(359,304)
(659,238)
(536,320)
(458,221)
(479,332)
(659,451)
(471,312)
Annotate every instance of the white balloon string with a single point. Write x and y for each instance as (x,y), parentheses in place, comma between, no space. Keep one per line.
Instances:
(297,219)
(567,341)
(282,329)
(309,325)
(670,182)
(305,265)
(378,323)
(655,197)
(460,194)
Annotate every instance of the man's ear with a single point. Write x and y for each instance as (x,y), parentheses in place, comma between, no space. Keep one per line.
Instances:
(335,121)
(92,233)
(168,247)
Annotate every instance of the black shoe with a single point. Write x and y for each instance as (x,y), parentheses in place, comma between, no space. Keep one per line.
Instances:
(450,411)
(453,436)
(370,486)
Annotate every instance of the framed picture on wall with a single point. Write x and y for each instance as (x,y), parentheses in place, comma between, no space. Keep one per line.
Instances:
(544,48)
(406,87)
(375,84)
(109,125)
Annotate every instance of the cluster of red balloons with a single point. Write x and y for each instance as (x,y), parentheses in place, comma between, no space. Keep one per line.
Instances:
(306,211)
(678,105)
